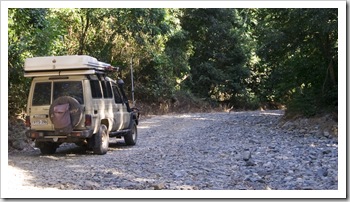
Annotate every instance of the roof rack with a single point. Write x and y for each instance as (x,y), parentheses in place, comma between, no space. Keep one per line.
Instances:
(65,65)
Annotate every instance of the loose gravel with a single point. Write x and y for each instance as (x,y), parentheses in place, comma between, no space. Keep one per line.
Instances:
(201,151)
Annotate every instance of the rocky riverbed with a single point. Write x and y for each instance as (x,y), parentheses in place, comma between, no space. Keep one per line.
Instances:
(202,151)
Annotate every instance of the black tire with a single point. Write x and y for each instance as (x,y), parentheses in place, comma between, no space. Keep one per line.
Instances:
(101,141)
(47,147)
(82,144)
(131,137)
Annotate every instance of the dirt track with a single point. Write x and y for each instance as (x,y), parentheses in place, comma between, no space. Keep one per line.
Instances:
(204,151)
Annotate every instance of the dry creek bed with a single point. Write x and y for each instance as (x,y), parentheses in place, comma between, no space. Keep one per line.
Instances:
(200,151)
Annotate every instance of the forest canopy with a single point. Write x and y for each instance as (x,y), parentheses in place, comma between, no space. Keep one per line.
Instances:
(245,58)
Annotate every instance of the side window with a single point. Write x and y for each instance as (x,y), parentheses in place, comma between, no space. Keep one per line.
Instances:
(42,94)
(95,89)
(109,89)
(106,87)
(117,97)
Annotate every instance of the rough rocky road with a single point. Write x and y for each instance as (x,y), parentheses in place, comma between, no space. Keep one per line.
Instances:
(201,151)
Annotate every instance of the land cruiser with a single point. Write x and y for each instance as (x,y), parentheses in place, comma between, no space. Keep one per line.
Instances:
(72,100)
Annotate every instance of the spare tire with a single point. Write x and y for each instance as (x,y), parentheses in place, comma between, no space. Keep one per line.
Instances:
(75,113)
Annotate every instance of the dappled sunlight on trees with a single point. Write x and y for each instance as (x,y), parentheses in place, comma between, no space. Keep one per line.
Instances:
(243,58)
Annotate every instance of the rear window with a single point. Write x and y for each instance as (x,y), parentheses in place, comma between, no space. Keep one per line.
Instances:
(68,88)
(42,94)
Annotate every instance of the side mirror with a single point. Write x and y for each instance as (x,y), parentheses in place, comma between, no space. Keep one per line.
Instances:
(120,83)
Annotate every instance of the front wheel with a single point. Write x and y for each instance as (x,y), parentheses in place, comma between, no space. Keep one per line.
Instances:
(101,141)
(131,137)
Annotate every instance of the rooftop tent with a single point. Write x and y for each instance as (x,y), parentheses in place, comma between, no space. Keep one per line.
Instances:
(64,65)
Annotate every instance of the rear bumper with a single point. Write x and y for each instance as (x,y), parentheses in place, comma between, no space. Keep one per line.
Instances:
(50,135)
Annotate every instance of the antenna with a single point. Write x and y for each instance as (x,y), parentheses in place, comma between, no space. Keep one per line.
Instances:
(132,83)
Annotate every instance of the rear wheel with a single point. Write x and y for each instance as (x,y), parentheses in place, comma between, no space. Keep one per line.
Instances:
(101,140)
(47,147)
(131,137)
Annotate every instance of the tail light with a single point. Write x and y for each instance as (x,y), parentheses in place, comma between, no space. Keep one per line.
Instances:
(88,120)
(28,125)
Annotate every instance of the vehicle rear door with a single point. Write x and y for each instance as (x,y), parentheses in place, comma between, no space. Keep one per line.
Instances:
(39,105)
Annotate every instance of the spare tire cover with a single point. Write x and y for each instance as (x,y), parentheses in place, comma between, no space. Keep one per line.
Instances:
(75,109)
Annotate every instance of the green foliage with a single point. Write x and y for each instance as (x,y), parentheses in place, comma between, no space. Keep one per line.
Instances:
(245,58)
(298,50)
(303,103)
(217,63)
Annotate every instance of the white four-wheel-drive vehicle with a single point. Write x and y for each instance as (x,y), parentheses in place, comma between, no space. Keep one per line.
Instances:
(72,99)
